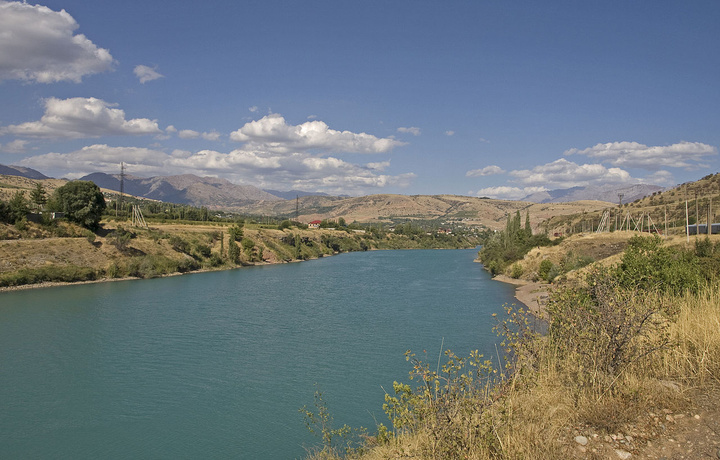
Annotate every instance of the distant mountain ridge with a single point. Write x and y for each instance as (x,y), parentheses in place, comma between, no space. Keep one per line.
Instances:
(22,172)
(184,189)
(608,192)
(292,194)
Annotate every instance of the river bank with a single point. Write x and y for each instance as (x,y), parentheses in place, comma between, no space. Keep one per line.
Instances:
(533,295)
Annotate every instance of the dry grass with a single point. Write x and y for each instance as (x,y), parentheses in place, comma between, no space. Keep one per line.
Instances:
(696,358)
(538,413)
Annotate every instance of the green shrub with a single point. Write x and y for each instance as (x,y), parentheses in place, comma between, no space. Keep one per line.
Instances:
(545,267)
(517,270)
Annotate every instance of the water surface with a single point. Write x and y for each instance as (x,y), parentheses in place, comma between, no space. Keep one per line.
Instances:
(216,365)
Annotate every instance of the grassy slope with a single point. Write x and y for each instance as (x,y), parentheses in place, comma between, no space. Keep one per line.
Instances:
(30,255)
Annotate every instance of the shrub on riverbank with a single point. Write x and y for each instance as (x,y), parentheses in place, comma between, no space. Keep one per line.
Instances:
(625,342)
(51,273)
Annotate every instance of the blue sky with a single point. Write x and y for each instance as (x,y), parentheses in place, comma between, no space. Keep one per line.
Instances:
(481,98)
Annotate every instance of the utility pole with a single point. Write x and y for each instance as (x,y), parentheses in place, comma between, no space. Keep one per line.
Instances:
(118,204)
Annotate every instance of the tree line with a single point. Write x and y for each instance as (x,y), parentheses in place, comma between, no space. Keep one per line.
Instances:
(81,202)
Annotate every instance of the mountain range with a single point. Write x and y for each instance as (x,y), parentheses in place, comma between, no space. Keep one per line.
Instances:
(184,189)
(22,172)
(221,193)
(607,192)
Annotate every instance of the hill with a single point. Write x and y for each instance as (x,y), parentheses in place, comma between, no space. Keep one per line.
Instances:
(445,209)
(22,172)
(662,211)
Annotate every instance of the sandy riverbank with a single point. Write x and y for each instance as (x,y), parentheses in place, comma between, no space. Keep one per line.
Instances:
(533,295)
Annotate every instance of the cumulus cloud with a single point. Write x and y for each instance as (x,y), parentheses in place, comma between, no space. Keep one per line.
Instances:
(246,166)
(449,133)
(486,171)
(253,109)
(191,134)
(16,146)
(507,193)
(563,174)
(188,134)
(211,136)
(273,133)
(411,130)
(145,73)
(38,44)
(660,178)
(80,117)
(635,155)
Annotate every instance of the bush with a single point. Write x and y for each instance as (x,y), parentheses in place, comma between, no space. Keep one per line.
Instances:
(545,267)
(648,265)
(51,273)
(517,270)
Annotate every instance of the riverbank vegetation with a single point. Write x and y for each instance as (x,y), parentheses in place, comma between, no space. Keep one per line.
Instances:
(92,242)
(628,348)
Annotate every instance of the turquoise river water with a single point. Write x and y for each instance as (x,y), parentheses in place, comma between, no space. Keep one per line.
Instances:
(216,365)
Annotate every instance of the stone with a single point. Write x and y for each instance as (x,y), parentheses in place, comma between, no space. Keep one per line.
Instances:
(623,454)
(582,440)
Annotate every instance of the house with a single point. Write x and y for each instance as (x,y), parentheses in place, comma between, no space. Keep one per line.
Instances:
(314,224)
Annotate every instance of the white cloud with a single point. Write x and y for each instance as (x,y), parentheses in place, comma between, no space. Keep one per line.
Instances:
(16,146)
(253,109)
(188,134)
(145,73)
(171,129)
(449,133)
(411,130)
(246,166)
(635,155)
(381,166)
(564,174)
(507,193)
(191,134)
(660,178)
(272,133)
(38,44)
(80,117)
(486,171)
(211,136)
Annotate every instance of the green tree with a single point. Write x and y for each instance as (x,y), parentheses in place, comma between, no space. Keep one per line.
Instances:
(81,201)
(528,229)
(38,196)
(233,252)
(18,207)
(236,232)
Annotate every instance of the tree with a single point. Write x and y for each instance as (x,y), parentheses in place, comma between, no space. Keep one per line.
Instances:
(38,196)
(18,207)
(236,232)
(528,229)
(233,252)
(81,201)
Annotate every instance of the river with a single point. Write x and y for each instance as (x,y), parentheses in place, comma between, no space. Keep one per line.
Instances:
(216,365)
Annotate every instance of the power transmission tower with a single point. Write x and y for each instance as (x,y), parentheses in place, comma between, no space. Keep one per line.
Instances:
(137,217)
